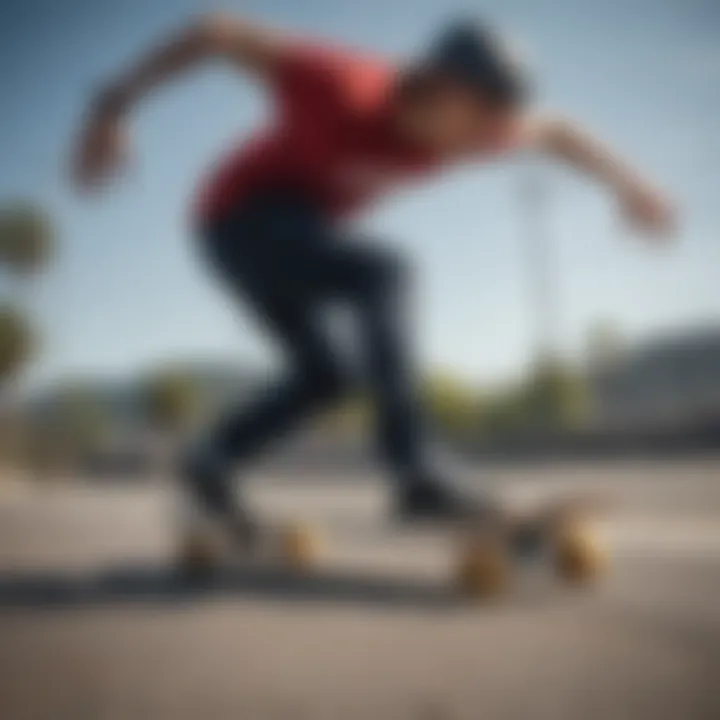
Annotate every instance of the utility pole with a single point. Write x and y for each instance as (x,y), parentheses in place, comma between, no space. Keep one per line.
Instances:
(540,262)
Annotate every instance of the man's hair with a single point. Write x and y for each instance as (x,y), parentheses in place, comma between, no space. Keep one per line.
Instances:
(480,57)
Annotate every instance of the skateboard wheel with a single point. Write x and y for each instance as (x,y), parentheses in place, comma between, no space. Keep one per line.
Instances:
(580,555)
(484,570)
(300,545)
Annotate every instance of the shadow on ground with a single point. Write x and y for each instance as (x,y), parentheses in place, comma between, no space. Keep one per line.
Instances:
(162,585)
(157,584)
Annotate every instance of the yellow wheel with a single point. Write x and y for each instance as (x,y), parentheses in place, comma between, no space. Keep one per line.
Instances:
(300,545)
(484,569)
(580,555)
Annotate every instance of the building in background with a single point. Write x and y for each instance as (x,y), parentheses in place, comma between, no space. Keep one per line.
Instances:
(673,381)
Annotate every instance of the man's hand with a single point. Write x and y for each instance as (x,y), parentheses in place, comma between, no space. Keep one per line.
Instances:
(102,145)
(647,210)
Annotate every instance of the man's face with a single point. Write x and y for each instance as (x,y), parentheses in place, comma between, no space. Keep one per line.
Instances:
(452,120)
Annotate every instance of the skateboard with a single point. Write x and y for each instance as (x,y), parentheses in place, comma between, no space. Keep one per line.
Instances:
(485,558)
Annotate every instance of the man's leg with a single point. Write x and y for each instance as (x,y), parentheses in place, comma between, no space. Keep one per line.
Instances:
(382,305)
(380,285)
(315,379)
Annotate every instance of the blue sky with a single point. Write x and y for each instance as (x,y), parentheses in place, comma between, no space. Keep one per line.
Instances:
(126,290)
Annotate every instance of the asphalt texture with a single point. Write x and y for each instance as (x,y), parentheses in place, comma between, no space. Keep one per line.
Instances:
(96,624)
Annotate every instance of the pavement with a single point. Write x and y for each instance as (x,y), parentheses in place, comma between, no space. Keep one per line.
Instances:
(95,624)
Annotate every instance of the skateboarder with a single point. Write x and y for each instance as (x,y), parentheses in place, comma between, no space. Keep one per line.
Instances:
(273,217)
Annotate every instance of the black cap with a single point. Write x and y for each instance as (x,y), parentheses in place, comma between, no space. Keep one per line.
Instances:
(479,55)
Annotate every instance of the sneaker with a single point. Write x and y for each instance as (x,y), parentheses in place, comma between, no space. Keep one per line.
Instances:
(210,490)
(441,502)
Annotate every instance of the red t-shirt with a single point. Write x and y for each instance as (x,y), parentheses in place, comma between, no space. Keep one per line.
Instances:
(332,139)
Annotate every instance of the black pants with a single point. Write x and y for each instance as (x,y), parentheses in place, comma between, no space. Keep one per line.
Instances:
(282,257)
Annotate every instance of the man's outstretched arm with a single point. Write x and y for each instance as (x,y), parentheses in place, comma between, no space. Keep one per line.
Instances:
(101,144)
(644,206)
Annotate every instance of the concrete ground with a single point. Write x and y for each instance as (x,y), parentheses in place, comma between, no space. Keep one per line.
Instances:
(95,625)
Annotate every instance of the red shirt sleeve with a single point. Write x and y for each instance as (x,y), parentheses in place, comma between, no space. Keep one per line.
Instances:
(305,74)
(316,75)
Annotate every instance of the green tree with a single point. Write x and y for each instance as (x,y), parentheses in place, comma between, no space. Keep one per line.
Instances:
(503,413)
(556,397)
(82,419)
(73,425)
(25,247)
(25,237)
(16,343)
(172,400)
(452,404)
